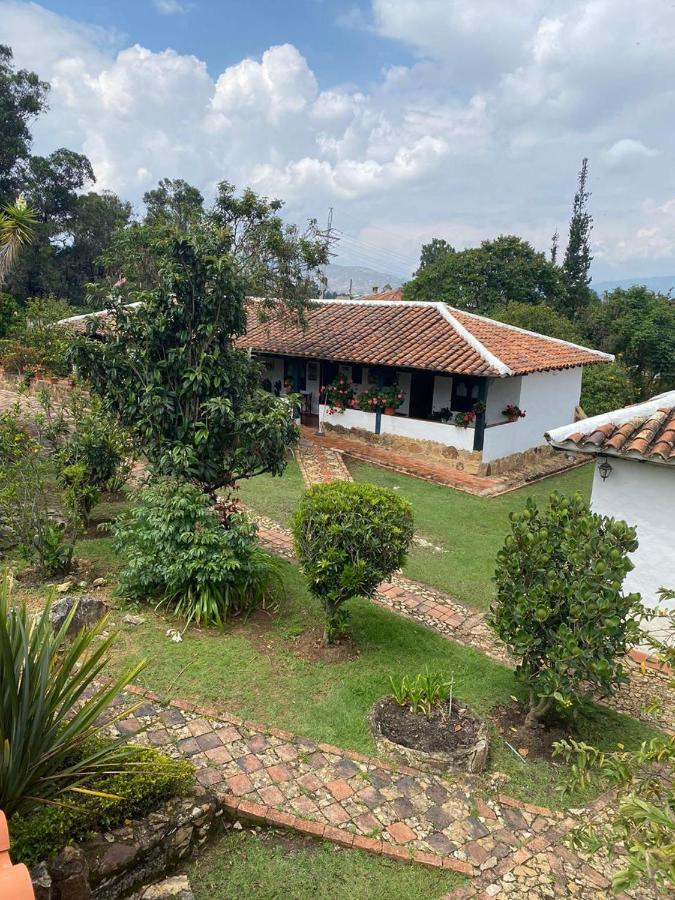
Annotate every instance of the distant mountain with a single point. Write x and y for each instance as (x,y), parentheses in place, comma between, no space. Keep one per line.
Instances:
(661,283)
(362,278)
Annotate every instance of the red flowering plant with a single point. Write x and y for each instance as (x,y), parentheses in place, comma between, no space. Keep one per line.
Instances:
(464,419)
(513,411)
(339,394)
(380,398)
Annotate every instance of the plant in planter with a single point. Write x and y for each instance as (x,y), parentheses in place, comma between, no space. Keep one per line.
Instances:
(339,394)
(422,723)
(513,412)
(464,419)
(382,399)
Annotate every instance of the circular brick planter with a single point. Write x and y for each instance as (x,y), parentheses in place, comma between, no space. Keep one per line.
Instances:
(469,758)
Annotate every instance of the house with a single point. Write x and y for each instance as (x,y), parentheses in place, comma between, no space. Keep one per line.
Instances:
(445,360)
(634,480)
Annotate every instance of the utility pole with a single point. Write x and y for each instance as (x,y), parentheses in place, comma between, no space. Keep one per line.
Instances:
(350,289)
(328,236)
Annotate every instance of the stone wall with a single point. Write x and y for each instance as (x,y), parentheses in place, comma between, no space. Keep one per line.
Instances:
(117,863)
(59,388)
(462,460)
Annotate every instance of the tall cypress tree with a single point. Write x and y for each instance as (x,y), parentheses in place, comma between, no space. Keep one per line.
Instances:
(577,262)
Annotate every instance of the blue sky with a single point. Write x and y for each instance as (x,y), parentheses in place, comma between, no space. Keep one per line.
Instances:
(413,119)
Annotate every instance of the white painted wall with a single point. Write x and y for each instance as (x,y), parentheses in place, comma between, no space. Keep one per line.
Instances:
(442,392)
(404,379)
(548,398)
(501,391)
(348,418)
(643,494)
(449,435)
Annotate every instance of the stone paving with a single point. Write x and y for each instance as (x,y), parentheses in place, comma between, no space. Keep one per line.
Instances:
(320,465)
(270,776)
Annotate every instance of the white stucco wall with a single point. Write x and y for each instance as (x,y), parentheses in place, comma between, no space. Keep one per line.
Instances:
(449,435)
(501,391)
(442,393)
(548,398)
(643,494)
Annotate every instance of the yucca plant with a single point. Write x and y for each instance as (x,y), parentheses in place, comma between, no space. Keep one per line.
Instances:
(17,223)
(53,711)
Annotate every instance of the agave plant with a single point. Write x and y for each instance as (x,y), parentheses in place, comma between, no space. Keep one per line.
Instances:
(17,223)
(54,710)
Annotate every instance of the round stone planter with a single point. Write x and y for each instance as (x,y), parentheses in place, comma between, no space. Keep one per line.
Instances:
(468,758)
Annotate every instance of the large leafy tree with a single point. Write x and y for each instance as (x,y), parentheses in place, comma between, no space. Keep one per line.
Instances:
(576,265)
(169,369)
(539,317)
(504,270)
(433,251)
(638,325)
(22,97)
(173,202)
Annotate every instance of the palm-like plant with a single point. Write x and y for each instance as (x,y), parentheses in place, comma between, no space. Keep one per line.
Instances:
(53,711)
(17,223)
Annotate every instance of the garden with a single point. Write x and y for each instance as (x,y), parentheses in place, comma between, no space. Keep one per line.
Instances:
(132,563)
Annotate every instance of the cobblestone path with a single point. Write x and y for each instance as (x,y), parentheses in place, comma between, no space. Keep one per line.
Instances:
(320,465)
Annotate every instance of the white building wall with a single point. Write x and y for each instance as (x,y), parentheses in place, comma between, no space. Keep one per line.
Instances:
(449,435)
(643,495)
(548,399)
(442,393)
(501,391)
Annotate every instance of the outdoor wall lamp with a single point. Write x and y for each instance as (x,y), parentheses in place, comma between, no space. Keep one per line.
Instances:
(605,470)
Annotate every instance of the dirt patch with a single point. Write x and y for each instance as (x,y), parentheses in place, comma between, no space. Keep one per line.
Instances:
(310,647)
(537,743)
(442,732)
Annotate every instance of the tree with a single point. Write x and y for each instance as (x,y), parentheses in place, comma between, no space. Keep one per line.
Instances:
(433,251)
(22,97)
(638,326)
(560,608)
(173,202)
(170,372)
(500,271)
(17,224)
(577,262)
(606,387)
(539,317)
(349,537)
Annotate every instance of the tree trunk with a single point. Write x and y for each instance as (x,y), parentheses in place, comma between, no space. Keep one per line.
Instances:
(331,621)
(538,709)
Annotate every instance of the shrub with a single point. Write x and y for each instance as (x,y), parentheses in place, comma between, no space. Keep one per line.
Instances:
(51,709)
(349,537)
(35,343)
(179,551)
(379,398)
(606,387)
(27,521)
(339,394)
(154,779)
(560,607)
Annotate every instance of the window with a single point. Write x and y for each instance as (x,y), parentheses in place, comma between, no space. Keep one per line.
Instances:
(465,393)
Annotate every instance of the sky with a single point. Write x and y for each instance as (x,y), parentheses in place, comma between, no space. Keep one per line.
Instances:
(411,119)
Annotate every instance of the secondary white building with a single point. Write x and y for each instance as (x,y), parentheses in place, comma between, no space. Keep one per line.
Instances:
(635,481)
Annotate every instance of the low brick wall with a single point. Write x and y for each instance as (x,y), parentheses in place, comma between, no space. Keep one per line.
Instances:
(59,388)
(118,863)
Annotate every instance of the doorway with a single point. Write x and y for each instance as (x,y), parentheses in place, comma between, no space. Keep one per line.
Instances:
(421,395)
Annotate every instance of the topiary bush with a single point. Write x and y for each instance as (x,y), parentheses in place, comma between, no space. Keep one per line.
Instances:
(349,537)
(180,551)
(153,779)
(560,607)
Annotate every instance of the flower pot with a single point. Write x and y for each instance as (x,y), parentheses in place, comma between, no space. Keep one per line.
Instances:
(513,418)
(389,410)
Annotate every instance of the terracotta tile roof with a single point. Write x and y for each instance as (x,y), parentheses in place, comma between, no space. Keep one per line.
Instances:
(645,431)
(415,335)
(396,294)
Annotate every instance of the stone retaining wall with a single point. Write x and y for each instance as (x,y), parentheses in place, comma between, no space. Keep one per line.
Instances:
(59,388)
(117,863)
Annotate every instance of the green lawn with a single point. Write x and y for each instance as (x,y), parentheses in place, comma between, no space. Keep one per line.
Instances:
(253,671)
(271,866)
(468,531)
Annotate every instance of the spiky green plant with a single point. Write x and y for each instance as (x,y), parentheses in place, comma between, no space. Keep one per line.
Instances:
(17,223)
(54,710)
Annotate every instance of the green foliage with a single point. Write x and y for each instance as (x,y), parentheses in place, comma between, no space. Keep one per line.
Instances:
(385,397)
(638,325)
(151,779)
(606,387)
(539,317)
(182,551)
(27,523)
(349,537)
(51,708)
(577,262)
(560,608)
(501,271)
(339,394)
(423,692)
(34,344)
(17,224)
(173,201)
(8,312)
(433,251)
(172,376)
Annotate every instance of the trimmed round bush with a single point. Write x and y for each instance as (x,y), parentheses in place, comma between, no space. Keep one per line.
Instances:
(349,537)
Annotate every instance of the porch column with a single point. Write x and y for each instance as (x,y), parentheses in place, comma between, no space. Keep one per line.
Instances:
(479,430)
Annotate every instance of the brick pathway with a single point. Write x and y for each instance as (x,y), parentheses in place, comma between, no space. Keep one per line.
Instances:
(320,464)
(449,617)
(273,777)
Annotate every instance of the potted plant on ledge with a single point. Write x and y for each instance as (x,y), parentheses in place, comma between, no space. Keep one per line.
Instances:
(382,399)
(513,412)
(464,419)
(339,394)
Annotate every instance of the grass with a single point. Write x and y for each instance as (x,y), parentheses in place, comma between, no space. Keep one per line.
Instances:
(269,866)
(255,671)
(466,530)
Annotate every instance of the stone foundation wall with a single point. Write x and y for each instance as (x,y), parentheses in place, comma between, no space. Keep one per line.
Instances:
(462,460)
(59,388)
(538,460)
(118,863)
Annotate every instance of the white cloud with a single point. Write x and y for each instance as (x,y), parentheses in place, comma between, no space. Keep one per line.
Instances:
(483,134)
(169,7)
